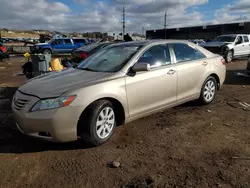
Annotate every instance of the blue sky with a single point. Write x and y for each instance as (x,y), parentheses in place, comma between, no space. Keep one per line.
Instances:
(105,15)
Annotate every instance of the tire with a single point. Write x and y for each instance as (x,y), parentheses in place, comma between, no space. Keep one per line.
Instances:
(46,51)
(90,131)
(229,56)
(208,91)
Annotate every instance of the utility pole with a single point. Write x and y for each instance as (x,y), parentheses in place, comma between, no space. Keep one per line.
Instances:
(165,25)
(123,22)
(142,31)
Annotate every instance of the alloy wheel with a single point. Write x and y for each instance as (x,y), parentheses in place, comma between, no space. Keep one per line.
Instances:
(209,91)
(105,122)
(229,56)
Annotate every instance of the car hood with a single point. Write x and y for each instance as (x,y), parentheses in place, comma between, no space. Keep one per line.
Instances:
(42,44)
(215,44)
(56,83)
(79,50)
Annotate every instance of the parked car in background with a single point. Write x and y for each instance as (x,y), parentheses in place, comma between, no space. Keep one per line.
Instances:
(230,46)
(3,40)
(120,83)
(3,48)
(198,41)
(84,52)
(57,46)
(3,52)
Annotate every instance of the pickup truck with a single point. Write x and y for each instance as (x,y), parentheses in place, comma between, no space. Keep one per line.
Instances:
(230,46)
(57,46)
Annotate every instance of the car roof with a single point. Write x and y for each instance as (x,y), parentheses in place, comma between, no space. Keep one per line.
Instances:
(69,38)
(232,35)
(149,42)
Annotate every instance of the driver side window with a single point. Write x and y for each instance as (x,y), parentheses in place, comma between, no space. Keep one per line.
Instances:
(156,56)
(55,42)
(239,40)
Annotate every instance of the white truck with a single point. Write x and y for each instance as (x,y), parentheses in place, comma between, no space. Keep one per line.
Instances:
(230,46)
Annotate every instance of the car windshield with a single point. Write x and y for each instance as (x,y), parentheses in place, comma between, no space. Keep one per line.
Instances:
(110,59)
(224,39)
(51,40)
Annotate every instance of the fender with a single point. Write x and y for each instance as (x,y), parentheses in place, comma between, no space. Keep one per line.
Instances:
(230,46)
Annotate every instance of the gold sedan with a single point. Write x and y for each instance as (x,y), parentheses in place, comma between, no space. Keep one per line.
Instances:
(116,85)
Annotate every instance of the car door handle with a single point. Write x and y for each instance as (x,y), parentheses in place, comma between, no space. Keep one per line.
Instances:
(171,71)
(204,63)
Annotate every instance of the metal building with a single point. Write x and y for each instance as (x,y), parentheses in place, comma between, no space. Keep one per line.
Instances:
(207,32)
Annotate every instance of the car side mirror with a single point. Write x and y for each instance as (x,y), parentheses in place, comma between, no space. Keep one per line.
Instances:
(140,67)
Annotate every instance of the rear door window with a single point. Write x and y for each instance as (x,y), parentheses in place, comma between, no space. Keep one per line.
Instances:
(67,41)
(184,52)
(246,39)
(79,40)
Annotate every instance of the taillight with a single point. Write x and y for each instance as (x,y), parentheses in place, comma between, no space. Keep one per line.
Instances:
(83,55)
(3,48)
(223,61)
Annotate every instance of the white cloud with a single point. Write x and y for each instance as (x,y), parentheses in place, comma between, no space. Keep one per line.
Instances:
(240,5)
(107,16)
(234,12)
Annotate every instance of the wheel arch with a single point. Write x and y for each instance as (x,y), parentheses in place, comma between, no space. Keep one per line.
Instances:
(47,49)
(216,78)
(232,49)
(118,108)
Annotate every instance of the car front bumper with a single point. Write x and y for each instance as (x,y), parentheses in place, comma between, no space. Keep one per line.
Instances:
(248,70)
(34,50)
(56,125)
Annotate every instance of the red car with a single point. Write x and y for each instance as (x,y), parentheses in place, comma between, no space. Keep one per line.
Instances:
(3,48)
(3,52)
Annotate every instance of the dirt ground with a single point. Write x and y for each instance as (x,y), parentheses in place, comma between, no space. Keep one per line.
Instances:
(186,146)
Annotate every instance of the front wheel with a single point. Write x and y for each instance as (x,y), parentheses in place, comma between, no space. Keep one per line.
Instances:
(229,56)
(46,52)
(208,90)
(98,123)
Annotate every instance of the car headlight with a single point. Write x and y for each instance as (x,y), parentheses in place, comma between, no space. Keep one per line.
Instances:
(47,104)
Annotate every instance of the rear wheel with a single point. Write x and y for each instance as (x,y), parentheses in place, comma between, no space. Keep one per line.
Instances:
(208,91)
(97,125)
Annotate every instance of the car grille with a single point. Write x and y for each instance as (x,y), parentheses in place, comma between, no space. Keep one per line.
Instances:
(20,104)
(75,54)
